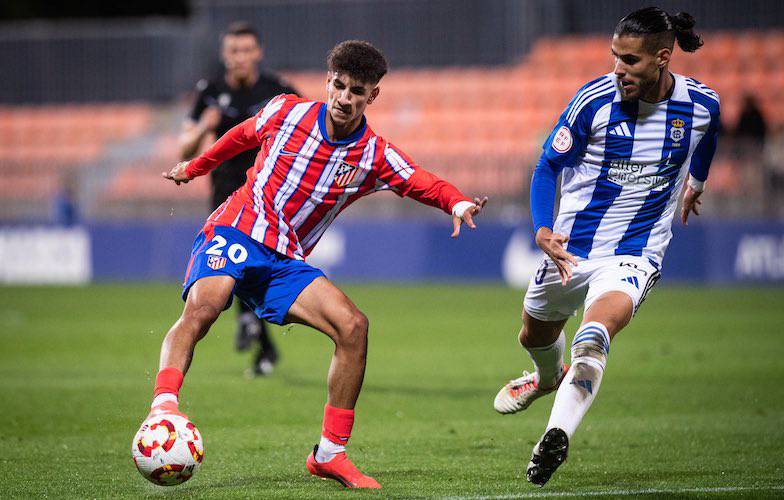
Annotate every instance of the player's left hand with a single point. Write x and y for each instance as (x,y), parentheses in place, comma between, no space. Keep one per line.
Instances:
(691,200)
(177,174)
(467,216)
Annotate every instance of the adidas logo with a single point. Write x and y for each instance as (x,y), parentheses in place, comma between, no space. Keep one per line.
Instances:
(621,130)
(585,384)
(632,280)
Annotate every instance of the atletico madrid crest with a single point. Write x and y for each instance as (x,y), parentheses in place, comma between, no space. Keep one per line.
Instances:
(345,174)
(216,262)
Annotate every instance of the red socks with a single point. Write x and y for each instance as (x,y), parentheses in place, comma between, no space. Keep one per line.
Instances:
(169,380)
(337,424)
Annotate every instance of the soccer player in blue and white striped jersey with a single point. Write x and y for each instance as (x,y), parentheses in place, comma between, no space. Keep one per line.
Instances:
(623,148)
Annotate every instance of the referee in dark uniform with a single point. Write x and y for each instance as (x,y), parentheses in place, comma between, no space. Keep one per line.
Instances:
(220,105)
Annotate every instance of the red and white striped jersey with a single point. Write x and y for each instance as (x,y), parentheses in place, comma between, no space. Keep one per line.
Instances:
(302,180)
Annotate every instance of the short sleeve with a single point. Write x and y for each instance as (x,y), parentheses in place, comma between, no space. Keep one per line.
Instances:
(206,95)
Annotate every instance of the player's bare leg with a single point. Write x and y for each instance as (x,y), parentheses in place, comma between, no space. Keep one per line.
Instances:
(206,300)
(324,307)
(544,341)
(607,316)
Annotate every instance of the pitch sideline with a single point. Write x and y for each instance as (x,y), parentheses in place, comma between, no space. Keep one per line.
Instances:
(643,491)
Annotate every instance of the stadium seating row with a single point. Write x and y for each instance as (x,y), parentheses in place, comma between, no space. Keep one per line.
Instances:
(479,126)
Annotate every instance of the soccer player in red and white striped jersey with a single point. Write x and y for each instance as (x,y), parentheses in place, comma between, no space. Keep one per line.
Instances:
(315,160)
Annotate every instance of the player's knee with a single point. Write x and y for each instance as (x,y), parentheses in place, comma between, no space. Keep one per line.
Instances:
(202,316)
(353,331)
(522,336)
(591,345)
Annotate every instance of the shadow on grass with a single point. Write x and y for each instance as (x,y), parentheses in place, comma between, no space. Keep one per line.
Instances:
(444,392)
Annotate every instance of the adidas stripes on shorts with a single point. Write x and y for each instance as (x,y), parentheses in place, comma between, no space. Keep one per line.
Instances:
(548,300)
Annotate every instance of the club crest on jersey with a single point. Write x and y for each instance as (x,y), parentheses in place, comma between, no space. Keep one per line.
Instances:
(216,262)
(562,142)
(345,174)
(677,132)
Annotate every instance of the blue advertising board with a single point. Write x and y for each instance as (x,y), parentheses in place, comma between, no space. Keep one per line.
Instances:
(713,252)
(710,252)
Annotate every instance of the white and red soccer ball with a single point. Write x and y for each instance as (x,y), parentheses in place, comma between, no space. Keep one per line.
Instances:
(168,449)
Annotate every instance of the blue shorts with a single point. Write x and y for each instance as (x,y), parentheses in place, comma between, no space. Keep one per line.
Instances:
(266,281)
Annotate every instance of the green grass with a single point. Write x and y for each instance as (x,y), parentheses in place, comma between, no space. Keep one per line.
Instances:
(692,397)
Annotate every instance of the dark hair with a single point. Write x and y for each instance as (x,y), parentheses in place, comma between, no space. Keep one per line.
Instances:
(242,28)
(660,29)
(361,60)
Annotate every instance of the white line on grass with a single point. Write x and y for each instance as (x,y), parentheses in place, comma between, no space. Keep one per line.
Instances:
(644,491)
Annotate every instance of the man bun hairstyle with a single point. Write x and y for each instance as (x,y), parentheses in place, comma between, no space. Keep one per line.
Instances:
(660,29)
(683,24)
(361,60)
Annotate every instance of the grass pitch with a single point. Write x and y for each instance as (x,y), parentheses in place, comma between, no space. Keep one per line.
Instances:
(691,404)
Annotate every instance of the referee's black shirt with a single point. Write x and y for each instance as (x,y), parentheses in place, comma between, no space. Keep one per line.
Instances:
(236,106)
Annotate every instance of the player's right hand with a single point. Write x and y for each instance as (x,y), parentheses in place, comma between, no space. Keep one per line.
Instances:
(554,245)
(177,174)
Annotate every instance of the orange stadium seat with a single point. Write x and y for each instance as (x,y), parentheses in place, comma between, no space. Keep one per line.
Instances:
(38,144)
(459,122)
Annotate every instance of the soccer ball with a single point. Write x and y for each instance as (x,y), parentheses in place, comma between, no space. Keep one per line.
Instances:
(168,449)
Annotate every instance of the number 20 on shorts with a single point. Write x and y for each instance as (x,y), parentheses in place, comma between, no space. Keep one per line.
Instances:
(236,252)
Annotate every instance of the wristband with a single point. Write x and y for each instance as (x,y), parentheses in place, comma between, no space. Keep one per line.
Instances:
(696,185)
(460,207)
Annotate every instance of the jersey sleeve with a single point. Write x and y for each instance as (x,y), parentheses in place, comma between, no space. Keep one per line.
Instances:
(206,96)
(396,171)
(564,147)
(247,135)
(702,156)
(568,139)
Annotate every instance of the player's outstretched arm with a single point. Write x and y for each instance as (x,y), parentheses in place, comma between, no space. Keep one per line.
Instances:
(235,141)
(178,173)
(465,211)
(396,171)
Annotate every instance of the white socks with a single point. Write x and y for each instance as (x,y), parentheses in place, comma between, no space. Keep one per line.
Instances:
(589,355)
(549,361)
(163,398)
(327,450)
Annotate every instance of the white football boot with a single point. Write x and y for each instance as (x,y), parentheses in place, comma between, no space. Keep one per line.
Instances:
(519,393)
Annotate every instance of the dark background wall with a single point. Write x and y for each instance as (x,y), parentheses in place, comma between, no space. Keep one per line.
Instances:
(141,56)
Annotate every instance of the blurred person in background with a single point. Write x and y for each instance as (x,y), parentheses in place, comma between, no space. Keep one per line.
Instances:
(774,172)
(221,104)
(751,121)
(65,209)
(748,139)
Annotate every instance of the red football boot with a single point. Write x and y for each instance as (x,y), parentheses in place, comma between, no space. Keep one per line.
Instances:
(341,470)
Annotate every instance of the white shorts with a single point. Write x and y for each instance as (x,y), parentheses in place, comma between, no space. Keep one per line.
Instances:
(548,300)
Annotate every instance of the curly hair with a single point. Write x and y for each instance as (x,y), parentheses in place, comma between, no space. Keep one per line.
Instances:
(361,60)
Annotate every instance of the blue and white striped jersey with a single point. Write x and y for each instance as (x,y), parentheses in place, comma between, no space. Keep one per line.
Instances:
(623,165)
